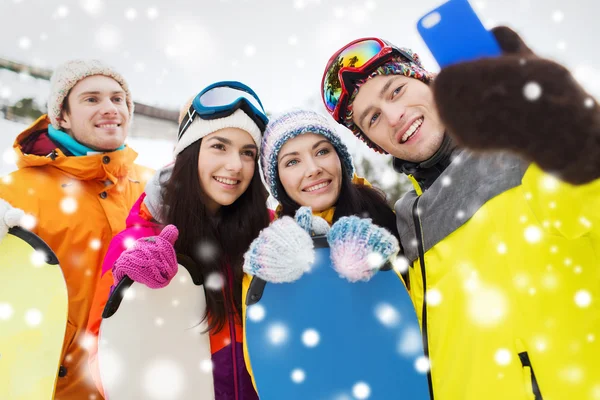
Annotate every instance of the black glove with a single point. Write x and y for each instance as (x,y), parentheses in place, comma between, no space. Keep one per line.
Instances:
(525,104)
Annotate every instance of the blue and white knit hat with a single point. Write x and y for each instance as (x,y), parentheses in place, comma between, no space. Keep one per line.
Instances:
(289,125)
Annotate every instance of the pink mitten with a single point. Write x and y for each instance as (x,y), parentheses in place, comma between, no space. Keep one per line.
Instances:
(151,261)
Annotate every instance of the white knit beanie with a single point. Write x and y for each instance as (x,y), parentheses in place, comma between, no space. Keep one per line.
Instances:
(68,74)
(200,128)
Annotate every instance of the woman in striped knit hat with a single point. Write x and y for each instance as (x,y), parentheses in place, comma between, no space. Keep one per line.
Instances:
(307,166)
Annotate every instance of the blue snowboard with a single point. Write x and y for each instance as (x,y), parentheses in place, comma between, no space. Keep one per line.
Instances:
(323,337)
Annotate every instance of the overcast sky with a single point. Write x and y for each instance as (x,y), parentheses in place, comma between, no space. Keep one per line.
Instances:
(169,50)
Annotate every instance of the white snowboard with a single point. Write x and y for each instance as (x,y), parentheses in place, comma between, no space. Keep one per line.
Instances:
(154,346)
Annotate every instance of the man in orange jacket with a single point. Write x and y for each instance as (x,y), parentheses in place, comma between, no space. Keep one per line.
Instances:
(78,180)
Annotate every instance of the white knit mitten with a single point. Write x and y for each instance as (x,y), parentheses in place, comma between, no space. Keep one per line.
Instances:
(9,217)
(360,248)
(313,225)
(282,252)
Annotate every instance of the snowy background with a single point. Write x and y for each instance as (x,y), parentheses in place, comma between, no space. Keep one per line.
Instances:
(170,50)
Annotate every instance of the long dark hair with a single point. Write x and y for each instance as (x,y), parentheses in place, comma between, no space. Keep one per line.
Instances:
(354,199)
(217,242)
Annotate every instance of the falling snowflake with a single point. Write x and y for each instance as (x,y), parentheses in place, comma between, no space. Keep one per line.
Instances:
(68,205)
(410,343)
(533,234)
(370,5)
(433,297)
(572,374)
(250,50)
(422,364)
(277,334)
(596,392)
(28,222)
(95,244)
(5,93)
(561,45)
(164,380)
(532,91)
(87,341)
(503,357)
(487,306)
(152,13)
(25,43)
(206,366)
(591,337)
(361,390)
(33,317)
(589,102)
(550,281)
(446,181)
(460,214)
(293,40)
(175,302)
(214,281)
(108,38)
(501,248)
(6,311)
(129,294)
(550,183)
(583,298)
(558,16)
(256,313)
(311,338)
(541,344)
(131,14)
(61,12)
(375,260)
(299,4)
(298,375)
(471,282)
(401,264)
(129,242)
(92,7)
(387,315)
(207,251)
(38,258)
(159,321)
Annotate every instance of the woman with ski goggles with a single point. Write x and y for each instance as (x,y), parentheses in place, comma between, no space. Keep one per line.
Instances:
(211,198)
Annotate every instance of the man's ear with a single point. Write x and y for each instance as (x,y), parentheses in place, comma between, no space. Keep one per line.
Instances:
(64,121)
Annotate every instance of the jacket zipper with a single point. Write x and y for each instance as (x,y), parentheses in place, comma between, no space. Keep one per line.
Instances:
(232,336)
(419,233)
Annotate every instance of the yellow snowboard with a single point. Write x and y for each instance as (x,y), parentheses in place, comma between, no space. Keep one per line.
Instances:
(33,317)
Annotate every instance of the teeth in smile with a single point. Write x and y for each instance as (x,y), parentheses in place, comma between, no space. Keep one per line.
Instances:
(108,125)
(412,129)
(316,187)
(226,181)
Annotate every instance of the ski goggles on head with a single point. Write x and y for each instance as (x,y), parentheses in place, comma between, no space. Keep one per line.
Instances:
(222,99)
(352,62)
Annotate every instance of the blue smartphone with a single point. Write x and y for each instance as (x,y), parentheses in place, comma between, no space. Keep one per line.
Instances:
(454,34)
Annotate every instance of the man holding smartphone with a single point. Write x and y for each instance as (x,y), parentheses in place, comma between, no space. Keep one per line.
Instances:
(502,229)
